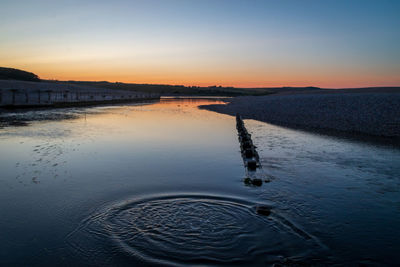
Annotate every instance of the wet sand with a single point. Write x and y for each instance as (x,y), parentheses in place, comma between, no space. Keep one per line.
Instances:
(368,112)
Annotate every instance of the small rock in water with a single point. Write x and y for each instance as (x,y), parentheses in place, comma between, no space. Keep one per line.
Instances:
(257,182)
(263,210)
(247,181)
(249,153)
(252,164)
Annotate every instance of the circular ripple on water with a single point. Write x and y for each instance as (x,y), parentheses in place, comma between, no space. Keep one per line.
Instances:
(190,230)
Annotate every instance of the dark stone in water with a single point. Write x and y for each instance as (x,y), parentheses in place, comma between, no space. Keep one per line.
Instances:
(245,138)
(263,210)
(247,145)
(242,132)
(257,182)
(249,153)
(252,164)
(247,181)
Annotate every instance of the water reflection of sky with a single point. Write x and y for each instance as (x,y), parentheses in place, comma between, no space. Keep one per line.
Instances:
(68,180)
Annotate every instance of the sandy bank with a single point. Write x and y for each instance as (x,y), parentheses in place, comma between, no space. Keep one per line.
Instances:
(371,113)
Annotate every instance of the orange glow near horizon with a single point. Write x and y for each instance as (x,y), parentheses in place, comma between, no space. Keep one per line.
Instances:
(205,43)
(208,77)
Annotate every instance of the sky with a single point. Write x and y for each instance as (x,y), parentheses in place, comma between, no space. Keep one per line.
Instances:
(246,43)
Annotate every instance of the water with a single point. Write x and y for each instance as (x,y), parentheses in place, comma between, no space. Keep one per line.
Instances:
(162,183)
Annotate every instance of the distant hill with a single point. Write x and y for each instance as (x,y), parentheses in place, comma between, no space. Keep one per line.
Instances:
(15,74)
(163,89)
(171,90)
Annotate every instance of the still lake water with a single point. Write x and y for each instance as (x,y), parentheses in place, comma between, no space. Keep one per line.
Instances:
(162,183)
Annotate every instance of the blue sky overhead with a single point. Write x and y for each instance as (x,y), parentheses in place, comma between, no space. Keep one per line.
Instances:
(241,43)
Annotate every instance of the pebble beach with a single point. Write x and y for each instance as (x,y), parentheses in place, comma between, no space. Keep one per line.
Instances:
(371,113)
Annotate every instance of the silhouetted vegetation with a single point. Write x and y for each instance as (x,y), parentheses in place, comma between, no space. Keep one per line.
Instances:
(15,74)
(164,89)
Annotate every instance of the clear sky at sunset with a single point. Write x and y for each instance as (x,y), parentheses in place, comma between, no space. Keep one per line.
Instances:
(328,43)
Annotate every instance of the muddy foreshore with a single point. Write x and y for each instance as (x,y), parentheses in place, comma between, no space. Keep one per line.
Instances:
(371,113)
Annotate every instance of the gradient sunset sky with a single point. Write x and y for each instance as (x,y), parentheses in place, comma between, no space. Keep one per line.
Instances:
(331,43)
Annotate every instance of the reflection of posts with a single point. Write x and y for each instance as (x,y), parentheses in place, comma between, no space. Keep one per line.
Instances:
(38,96)
(1,96)
(26,96)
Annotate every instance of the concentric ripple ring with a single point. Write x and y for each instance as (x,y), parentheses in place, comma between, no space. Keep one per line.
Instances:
(190,229)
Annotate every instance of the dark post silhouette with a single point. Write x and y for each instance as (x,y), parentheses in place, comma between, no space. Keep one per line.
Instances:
(13,95)
(49,95)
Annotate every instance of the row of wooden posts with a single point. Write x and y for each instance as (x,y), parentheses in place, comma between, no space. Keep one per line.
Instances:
(249,153)
(14,97)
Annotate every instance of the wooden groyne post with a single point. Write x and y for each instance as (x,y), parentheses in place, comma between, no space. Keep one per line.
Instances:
(248,150)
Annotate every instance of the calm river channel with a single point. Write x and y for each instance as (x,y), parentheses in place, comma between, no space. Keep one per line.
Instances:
(161,183)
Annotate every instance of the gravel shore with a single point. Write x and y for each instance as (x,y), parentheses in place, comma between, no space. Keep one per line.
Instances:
(366,113)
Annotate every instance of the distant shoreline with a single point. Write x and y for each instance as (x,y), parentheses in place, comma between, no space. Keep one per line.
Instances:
(371,113)
(27,94)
